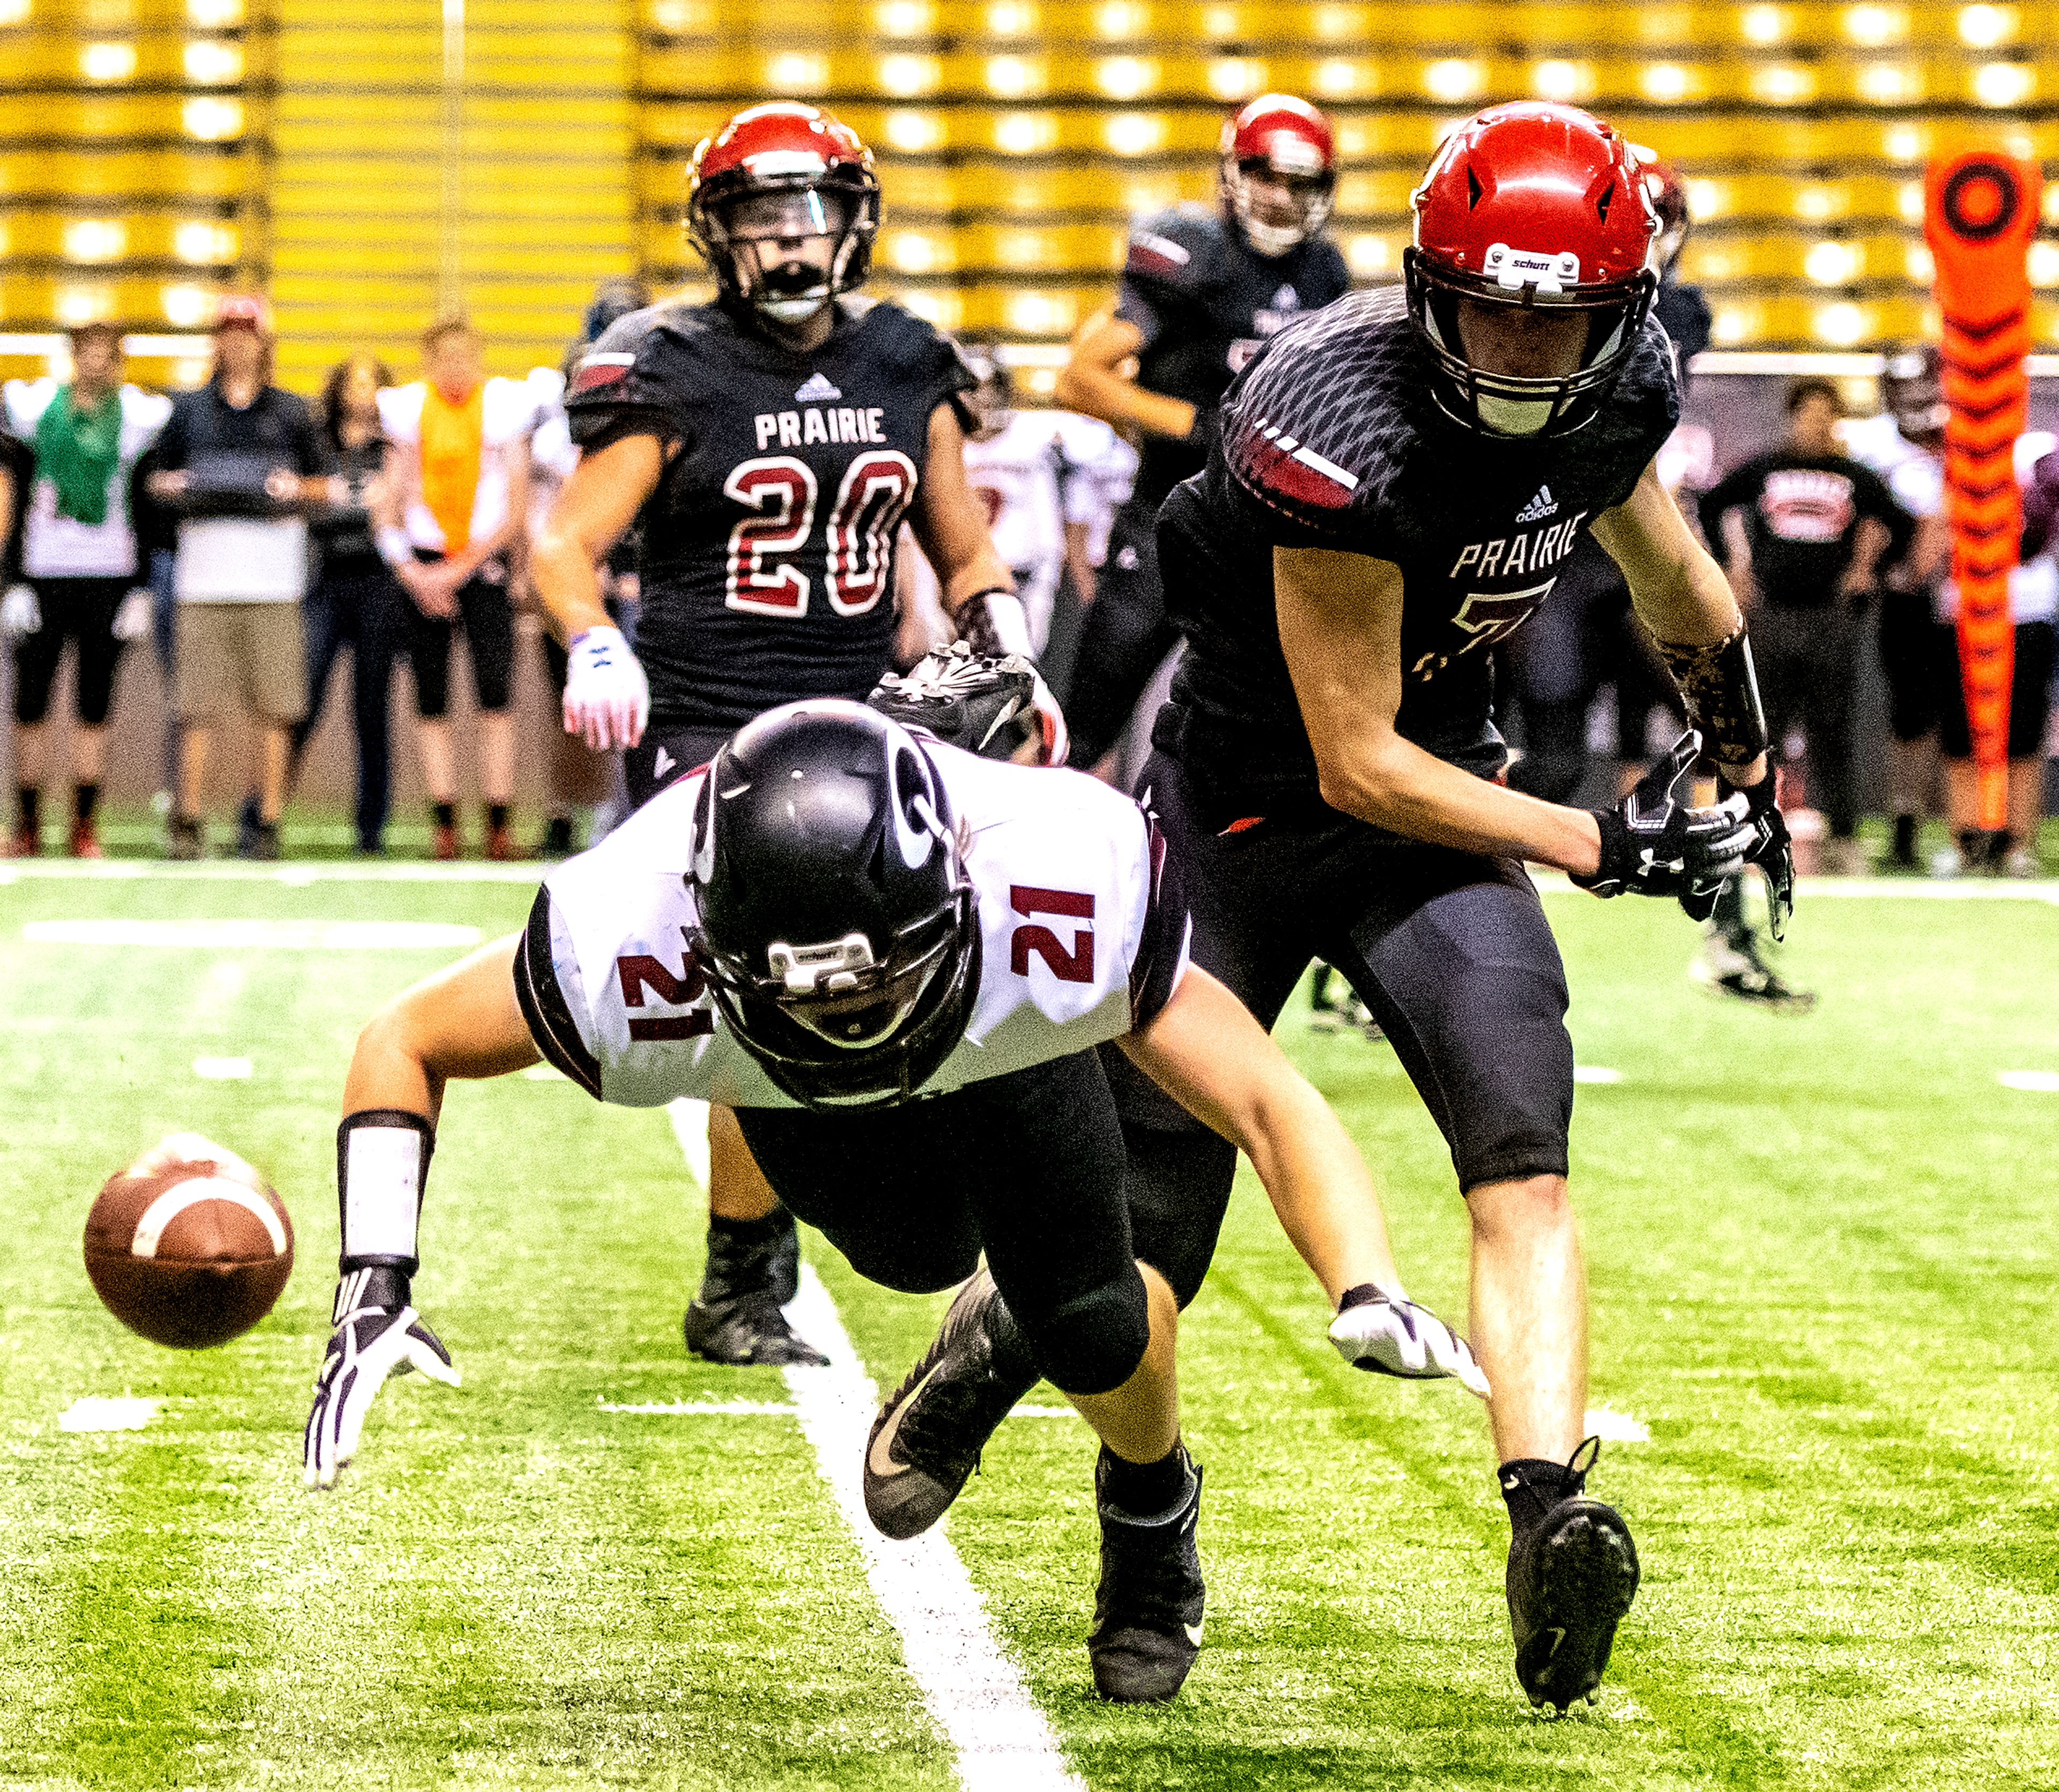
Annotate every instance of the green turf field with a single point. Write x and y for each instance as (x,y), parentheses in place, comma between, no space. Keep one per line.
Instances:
(1822,1255)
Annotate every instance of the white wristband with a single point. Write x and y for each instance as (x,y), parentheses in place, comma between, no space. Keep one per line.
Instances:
(382,1191)
(395,548)
(1011,621)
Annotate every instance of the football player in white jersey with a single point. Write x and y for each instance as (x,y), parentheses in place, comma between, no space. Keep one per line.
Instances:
(838,916)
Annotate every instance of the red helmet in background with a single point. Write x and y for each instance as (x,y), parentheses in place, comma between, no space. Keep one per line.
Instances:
(774,175)
(1539,207)
(1668,194)
(1288,139)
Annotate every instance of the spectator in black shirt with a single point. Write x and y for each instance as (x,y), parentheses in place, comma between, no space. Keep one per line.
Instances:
(242,463)
(1817,524)
(356,603)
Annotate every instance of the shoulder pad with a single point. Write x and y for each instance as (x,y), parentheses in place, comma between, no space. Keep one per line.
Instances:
(1315,426)
(643,364)
(1182,247)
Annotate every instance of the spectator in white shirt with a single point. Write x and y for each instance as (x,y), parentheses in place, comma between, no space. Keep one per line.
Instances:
(79,556)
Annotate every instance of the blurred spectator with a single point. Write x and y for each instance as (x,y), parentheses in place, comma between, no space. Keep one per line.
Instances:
(79,555)
(356,601)
(1817,526)
(1905,446)
(241,461)
(453,514)
(2033,601)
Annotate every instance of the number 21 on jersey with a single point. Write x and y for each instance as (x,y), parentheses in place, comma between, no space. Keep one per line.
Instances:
(781,493)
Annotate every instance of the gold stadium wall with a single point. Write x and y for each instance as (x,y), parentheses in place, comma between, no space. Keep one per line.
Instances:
(1015,136)
(432,155)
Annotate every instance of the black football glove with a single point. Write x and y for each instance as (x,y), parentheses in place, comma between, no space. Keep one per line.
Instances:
(1772,850)
(378,1333)
(1654,844)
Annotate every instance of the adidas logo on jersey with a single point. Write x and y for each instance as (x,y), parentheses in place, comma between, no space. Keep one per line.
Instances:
(817,391)
(1539,508)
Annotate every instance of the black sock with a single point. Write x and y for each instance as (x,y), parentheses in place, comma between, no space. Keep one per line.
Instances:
(85,802)
(497,816)
(1144,1489)
(747,1232)
(2001,844)
(445,813)
(1972,847)
(1905,836)
(1530,1488)
(29,805)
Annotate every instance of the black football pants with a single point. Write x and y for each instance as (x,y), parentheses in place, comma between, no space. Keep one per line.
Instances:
(1027,1167)
(1449,950)
(1126,635)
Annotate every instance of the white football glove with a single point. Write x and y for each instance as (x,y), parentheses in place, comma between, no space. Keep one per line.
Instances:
(372,1339)
(607,699)
(1391,1334)
(20,614)
(132,621)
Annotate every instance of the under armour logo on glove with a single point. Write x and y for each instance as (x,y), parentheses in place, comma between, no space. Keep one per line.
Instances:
(1652,844)
(1390,1336)
(377,1334)
(607,699)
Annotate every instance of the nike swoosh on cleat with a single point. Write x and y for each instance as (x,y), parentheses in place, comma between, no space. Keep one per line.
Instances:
(1193,1633)
(1558,1636)
(878,1459)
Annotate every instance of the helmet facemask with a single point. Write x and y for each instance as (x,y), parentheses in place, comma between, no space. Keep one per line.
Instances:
(1526,406)
(787,250)
(1278,204)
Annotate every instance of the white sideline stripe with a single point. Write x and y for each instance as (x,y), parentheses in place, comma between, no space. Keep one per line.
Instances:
(223,1070)
(1595,1073)
(1615,1427)
(968,1683)
(2031,1082)
(256,935)
(690,1125)
(96,1412)
(745,1409)
(296,875)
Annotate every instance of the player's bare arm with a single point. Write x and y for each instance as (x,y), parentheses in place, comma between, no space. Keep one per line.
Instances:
(598,502)
(1340,628)
(464,1023)
(1092,382)
(951,523)
(1204,1048)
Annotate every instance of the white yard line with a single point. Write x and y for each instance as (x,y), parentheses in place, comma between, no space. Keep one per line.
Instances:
(295,874)
(967,1682)
(1884,890)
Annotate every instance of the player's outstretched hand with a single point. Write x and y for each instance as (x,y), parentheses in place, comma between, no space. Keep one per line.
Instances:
(1772,850)
(378,1333)
(1390,1335)
(1655,844)
(607,699)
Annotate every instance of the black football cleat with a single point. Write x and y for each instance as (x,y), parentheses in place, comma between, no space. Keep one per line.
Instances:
(1148,1610)
(1571,1580)
(734,1316)
(1732,965)
(928,1436)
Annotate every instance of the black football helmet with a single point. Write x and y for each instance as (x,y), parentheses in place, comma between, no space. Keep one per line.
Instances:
(838,930)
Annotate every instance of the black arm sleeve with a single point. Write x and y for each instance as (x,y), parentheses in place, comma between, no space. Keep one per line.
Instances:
(1878,501)
(543,1004)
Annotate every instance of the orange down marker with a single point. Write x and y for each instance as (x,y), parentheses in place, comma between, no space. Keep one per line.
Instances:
(1980,212)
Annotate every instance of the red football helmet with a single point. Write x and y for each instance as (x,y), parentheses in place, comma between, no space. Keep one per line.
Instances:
(1541,209)
(774,177)
(1668,194)
(1288,139)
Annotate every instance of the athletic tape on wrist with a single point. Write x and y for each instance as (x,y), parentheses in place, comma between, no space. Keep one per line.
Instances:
(1720,688)
(382,1166)
(394,546)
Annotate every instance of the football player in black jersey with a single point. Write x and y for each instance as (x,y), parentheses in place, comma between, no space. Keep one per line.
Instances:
(766,446)
(1201,292)
(1398,481)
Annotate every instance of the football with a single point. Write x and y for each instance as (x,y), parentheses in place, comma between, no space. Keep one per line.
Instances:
(187,1246)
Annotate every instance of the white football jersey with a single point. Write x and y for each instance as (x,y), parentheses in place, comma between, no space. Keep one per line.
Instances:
(1083,935)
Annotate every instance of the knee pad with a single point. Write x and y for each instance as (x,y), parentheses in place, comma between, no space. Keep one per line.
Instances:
(1092,1343)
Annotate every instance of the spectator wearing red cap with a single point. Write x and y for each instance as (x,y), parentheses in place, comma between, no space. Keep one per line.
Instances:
(241,461)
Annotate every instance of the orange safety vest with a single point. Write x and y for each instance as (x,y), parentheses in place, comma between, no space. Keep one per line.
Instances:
(1980,212)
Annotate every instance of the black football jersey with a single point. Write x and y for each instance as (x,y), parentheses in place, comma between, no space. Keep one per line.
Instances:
(767,549)
(1205,302)
(1331,438)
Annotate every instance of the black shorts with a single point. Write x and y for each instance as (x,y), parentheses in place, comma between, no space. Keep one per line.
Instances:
(1449,950)
(487,613)
(666,753)
(1126,635)
(2029,695)
(1910,657)
(81,609)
